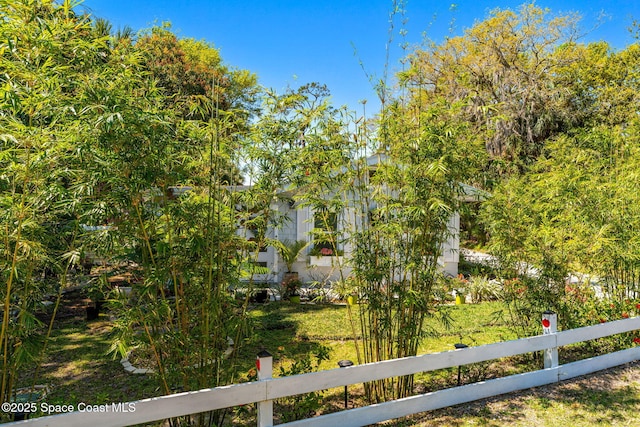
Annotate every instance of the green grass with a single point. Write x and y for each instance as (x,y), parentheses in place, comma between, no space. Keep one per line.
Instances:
(298,327)
(292,330)
(78,368)
(471,324)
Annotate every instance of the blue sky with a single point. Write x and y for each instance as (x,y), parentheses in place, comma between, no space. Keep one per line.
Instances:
(292,42)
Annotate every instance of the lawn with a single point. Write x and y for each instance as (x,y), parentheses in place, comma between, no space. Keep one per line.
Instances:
(78,368)
(298,328)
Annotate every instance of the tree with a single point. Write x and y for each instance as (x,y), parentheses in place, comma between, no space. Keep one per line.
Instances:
(503,70)
(47,55)
(191,73)
(403,206)
(199,87)
(185,247)
(603,83)
(88,138)
(290,251)
(576,211)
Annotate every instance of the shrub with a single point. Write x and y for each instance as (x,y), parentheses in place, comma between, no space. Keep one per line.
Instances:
(303,405)
(481,288)
(290,288)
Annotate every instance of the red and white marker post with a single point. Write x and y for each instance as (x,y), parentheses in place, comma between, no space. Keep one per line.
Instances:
(550,326)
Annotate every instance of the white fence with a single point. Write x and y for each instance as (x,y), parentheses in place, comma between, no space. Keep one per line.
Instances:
(266,389)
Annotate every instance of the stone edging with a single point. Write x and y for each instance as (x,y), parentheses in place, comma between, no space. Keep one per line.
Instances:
(129,368)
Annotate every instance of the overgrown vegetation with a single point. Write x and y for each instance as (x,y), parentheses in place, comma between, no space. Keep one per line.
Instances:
(132,149)
(557,119)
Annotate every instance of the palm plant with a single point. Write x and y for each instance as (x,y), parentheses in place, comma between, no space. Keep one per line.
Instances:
(290,250)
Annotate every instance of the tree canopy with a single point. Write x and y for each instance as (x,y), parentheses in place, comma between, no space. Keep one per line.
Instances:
(523,78)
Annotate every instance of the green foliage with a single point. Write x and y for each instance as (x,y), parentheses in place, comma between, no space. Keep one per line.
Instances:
(290,251)
(523,79)
(481,288)
(188,255)
(346,287)
(191,73)
(106,130)
(559,126)
(502,71)
(89,137)
(290,288)
(303,405)
(575,212)
(404,202)
(47,54)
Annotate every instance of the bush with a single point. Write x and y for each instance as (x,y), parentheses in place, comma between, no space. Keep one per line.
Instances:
(303,405)
(481,288)
(290,288)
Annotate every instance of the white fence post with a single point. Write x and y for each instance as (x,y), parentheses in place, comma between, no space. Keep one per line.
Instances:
(264,364)
(550,326)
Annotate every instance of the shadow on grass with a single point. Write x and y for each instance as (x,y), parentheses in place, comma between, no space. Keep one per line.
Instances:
(276,330)
(77,367)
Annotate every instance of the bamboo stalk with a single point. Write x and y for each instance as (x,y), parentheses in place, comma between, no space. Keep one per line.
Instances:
(4,336)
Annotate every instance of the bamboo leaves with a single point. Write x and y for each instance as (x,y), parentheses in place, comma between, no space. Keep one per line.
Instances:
(577,212)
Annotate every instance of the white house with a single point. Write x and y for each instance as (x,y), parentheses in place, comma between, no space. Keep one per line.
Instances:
(314,266)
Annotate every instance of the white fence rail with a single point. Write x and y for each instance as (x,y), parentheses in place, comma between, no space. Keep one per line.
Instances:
(266,389)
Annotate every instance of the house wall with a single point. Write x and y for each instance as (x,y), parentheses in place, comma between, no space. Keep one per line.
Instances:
(330,269)
(299,226)
(451,248)
(289,230)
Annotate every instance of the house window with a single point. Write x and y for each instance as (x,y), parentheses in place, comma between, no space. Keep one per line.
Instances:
(325,232)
